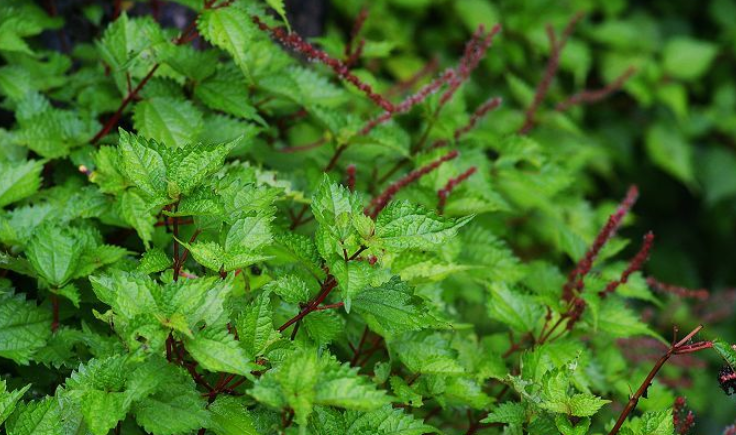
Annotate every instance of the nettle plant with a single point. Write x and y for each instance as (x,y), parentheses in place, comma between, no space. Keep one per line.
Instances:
(201,232)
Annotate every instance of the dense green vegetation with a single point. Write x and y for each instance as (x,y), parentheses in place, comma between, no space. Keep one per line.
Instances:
(430,216)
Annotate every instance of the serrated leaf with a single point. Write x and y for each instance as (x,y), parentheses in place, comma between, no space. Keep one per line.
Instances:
(36,418)
(24,328)
(507,412)
(392,309)
(142,164)
(170,121)
(154,260)
(176,408)
(230,29)
(136,212)
(519,311)
(402,226)
(218,351)
(726,351)
(9,399)
(199,163)
(230,416)
(385,421)
(55,253)
(19,180)
(255,326)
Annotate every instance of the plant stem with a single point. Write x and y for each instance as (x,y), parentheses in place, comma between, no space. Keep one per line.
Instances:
(54,312)
(678,348)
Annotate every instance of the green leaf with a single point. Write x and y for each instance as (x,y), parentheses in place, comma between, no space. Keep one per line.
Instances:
(169,121)
(227,91)
(688,59)
(230,416)
(154,260)
(402,226)
(427,353)
(305,380)
(352,278)
(519,311)
(102,410)
(55,253)
(385,421)
(136,212)
(392,309)
(726,351)
(175,408)
(199,163)
(142,164)
(9,399)
(41,417)
(290,288)
(278,6)
(217,350)
(669,150)
(19,180)
(230,29)
(24,328)
(255,326)
(507,412)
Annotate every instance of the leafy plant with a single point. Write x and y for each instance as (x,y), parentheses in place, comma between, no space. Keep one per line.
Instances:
(202,232)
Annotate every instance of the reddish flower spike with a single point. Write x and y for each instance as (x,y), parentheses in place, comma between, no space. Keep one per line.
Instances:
(683,418)
(575,280)
(351,56)
(593,96)
(682,292)
(475,50)
(296,42)
(452,183)
(553,64)
(381,201)
(635,264)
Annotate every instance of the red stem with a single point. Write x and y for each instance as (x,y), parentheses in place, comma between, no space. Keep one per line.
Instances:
(553,63)
(381,201)
(678,348)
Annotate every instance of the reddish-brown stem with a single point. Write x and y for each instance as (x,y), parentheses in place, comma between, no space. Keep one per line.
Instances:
(351,177)
(452,183)
(553,63)
(381,201)
(133,94)
(117,9)
(54,312)
(678,348)
(168,221)
(335,157)
(177,259)
(184,256)
(329,306)
(595,95)
(327,287)
(113,121)
(359,349)
(307,147)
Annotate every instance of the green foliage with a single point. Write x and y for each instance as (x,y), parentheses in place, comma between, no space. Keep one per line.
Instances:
(218,237)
